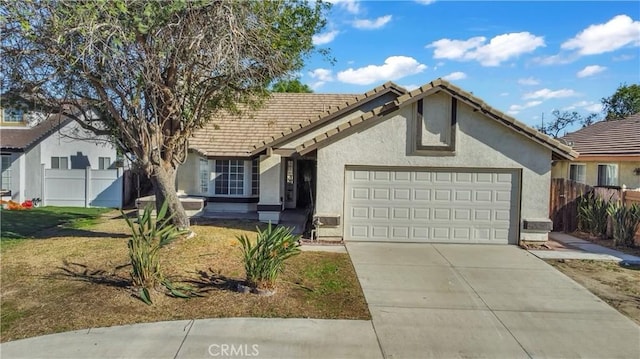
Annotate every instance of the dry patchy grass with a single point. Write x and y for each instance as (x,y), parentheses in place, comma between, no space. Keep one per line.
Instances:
(76,280)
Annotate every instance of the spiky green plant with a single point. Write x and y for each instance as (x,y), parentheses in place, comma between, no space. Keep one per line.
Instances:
(625,223)
(592,214)
(264,260)
(148,236)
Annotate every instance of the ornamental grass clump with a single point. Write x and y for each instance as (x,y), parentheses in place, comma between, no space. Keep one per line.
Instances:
(264,259)
(148,236)
(592,215)
(625,223)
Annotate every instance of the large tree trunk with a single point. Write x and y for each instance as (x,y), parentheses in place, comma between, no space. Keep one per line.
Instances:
(164,185)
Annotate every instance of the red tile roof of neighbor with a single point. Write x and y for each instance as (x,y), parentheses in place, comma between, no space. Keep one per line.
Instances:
(19,139)
(612,138)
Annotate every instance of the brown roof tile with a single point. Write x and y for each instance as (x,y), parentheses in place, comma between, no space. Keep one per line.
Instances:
(22,138)
(232,135)
(621,137)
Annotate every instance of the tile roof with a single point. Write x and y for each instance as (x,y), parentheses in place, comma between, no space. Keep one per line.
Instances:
(559,149)
(620,137)
(230,135)
(20,139)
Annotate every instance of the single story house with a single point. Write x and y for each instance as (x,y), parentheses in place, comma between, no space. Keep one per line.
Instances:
(609,154)
(42,157)
(435,164)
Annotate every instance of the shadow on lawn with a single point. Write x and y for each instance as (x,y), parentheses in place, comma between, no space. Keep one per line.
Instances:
(81,272)
(208,281)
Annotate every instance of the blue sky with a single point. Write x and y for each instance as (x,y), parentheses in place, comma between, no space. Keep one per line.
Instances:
(523,58)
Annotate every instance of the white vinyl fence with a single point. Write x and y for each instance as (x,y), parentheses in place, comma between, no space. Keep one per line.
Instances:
(82,188)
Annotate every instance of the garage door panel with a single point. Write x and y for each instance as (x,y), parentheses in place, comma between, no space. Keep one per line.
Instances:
(436,206)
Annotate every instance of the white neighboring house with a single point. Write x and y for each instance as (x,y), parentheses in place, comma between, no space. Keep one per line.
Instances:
(40,160)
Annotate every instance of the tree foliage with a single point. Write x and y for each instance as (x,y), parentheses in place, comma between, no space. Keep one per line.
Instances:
(291,86)
(624,102)
(563,120)
(150,73)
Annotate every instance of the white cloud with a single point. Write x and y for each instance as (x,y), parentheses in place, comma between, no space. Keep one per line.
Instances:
(549,94)
(410,87)
(529,81)
(499,49)
(351,6)
(504,94)
(589,106)
(455,76)
(321,76)
(394,67)
(325,38)
(559,59)
(515,109)
(617,33)
(624,57)
(425,2)
(366,24)
(590,70)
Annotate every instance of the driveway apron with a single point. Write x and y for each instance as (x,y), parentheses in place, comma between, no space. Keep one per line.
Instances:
(483,301)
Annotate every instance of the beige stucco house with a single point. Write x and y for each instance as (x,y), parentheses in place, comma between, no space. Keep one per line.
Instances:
(436,164)
(609,154)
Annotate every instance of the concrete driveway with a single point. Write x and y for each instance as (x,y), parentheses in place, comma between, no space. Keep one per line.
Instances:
(483,301)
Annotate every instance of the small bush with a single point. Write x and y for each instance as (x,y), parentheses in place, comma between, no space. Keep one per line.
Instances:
(264,260)
(592,214)
(625,223)
(148,236)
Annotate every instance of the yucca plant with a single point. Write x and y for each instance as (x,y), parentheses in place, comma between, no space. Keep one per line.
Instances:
(625,223)
(264,259)
(148,236)
(592,214)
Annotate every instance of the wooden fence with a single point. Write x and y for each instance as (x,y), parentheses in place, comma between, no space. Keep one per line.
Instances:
(563,204)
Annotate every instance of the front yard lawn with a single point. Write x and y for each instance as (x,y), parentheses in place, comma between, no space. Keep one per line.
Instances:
(616,284)
(80,279)
(31,222)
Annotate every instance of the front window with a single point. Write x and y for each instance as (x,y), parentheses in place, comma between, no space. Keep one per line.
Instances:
(104,163)
(13,115)
(608,175)
(229,177)
(5,182)
(255,176)
(578,173)
(61,163)
(204,175)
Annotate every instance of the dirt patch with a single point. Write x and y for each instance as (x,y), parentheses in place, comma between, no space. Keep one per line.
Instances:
(635,251)
(616,284)
(549,245)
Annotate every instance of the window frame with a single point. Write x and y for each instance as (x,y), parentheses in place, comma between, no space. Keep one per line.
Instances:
(230,178)
(617,175)
(5,173)
(58,167)
(13,115)
(203,175)
(100,163)
(578,164)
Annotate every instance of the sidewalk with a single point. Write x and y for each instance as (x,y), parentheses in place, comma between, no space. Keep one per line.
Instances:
(583,250)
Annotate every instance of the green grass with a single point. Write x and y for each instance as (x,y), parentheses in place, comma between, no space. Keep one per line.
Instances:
(27,223)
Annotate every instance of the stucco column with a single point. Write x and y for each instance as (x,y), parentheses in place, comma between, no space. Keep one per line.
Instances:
(270,204)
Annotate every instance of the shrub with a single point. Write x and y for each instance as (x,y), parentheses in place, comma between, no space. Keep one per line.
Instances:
(592,214)
(148,236)
(625,223)
(264,260)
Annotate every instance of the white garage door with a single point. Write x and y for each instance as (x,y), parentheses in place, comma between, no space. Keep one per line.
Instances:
(408,205)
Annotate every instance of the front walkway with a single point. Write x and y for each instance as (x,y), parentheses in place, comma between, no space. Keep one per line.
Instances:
(581,249)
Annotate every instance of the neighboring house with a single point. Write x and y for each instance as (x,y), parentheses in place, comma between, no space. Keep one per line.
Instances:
(435,164)
(38,155)
(609,154)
